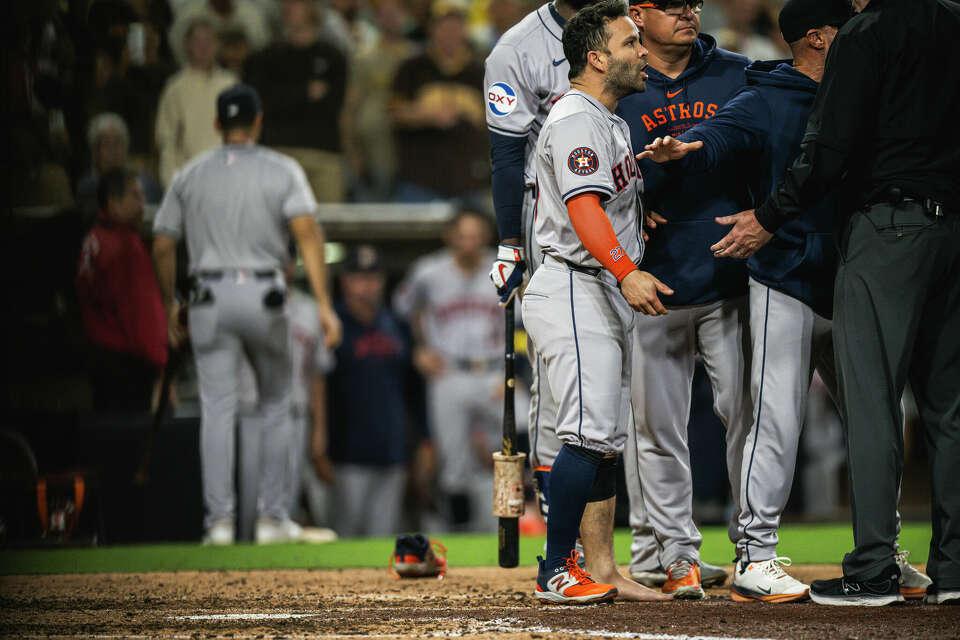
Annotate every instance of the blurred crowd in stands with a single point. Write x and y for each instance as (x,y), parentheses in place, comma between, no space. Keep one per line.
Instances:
(379,101)
(368,95)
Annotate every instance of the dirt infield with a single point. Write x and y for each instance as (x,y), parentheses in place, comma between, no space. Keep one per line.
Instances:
(475,603)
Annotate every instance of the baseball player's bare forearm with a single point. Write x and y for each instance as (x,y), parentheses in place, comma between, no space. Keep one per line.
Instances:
(310,241)
(165,266)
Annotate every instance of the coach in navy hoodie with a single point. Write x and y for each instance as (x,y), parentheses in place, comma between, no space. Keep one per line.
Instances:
(689,80)
(791,285)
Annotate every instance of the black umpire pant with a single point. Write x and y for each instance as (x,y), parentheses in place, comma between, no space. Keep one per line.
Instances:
(897,318)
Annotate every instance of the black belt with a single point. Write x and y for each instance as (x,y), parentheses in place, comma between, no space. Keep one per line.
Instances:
(217,274)
(579,268)
(895,196)
(476,365)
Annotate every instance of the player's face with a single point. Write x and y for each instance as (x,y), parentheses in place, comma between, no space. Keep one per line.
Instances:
(362,288)
(628,59)
(469,238)
(668,27)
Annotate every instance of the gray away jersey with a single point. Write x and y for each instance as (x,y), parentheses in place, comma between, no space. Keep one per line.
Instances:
(525,74)
(234,204)
(461,319)
(584,148)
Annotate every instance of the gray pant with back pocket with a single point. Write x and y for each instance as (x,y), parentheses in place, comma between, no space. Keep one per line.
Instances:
(242,314)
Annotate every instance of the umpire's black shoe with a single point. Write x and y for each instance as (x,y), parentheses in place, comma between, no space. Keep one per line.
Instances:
(875,592)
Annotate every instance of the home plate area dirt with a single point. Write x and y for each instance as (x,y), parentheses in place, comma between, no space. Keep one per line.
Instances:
(468,603)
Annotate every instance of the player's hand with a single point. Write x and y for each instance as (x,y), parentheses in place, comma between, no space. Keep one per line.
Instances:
(651,219)
(176,331)
(428,362)
(323,467)
(507,272)
(332,328)
(744,239)
(668,148)
(640,290)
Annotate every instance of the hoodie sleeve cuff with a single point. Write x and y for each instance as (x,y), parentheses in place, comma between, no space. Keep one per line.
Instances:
(769,216)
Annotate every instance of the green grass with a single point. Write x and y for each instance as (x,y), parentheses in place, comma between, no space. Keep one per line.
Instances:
(805,544)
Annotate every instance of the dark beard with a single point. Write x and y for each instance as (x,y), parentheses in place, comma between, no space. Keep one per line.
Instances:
(622,80)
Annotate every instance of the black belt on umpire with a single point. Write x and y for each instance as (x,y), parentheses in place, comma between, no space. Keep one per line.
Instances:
(895,196)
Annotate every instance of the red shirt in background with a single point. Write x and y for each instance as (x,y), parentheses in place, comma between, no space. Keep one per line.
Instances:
(118,293)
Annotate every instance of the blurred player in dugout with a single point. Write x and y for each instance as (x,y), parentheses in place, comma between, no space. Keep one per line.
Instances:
(237,207)
(458,330)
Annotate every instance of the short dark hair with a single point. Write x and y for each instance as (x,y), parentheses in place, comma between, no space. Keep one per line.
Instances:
(114,184)
(587,31)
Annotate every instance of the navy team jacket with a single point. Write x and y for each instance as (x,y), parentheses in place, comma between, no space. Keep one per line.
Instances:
(766,121)
(679,253)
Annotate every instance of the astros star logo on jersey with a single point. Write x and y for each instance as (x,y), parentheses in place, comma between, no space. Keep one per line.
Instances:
(583,161)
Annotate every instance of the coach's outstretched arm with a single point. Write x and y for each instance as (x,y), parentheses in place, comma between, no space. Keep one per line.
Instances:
(592,226)
(310,240)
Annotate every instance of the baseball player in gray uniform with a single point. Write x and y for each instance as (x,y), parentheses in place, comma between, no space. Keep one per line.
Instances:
(525,74)
(237,206)
(311,361)
(578,306)
(458,327)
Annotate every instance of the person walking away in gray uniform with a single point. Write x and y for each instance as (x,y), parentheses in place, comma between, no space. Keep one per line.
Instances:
(882,132)
(236,207)
(311,361)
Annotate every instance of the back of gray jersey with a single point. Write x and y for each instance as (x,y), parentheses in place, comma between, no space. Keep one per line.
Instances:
(525,74)
(584,148)
(234,204)
(460,319)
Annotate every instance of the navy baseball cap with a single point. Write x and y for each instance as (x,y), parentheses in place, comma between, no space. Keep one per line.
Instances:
(238,105)
(799,16)
(362,259)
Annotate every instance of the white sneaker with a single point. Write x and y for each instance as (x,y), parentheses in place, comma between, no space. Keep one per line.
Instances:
(273,531)
(220,533)
(317,535)
(766,581)
(913,584)
(943,597)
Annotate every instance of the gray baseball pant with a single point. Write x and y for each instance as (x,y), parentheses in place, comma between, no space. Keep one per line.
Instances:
(789,340)
(658,475)
(234,320)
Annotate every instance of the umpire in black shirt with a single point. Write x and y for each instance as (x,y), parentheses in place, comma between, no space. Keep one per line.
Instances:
(884,131)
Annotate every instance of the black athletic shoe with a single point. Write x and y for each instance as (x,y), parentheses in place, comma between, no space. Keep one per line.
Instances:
(846,592)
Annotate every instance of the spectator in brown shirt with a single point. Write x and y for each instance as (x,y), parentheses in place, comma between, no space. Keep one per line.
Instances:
(438,118)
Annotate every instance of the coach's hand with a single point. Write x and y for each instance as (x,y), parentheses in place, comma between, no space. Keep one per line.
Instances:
(651,219)
(744,239)
(640,290)
(666,149)
(507,271)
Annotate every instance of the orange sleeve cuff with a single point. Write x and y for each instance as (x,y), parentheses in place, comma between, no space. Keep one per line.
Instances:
(596,233)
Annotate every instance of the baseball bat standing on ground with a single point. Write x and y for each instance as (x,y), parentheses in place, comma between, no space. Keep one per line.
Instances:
(169,374)
(508,529)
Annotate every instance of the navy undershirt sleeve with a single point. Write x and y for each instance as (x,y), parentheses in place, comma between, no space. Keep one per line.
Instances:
(507,158)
